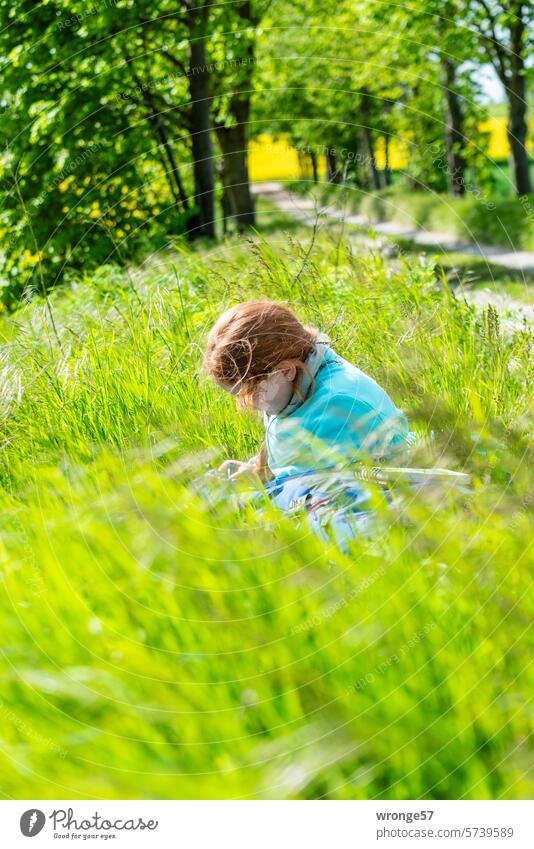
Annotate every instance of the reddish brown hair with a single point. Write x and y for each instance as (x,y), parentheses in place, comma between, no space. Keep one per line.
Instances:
(249,341)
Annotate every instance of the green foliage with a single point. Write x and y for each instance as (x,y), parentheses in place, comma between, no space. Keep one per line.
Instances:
(98,131)
(224,654)
(81,175)
(106,147)
(383,80)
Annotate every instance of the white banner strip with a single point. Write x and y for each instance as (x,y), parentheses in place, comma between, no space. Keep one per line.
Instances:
(269,824)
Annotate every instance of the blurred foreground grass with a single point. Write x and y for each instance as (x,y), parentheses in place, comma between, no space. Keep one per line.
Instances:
(155,648)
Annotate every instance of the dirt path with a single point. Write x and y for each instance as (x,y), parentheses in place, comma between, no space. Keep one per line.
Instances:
(513,313)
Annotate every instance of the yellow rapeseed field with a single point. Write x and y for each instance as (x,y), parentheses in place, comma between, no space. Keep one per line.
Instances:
(275,159)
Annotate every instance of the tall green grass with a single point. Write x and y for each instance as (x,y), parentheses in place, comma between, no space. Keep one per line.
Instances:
(155,646)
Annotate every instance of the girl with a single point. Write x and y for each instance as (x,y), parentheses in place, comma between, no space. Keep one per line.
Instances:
(320,411)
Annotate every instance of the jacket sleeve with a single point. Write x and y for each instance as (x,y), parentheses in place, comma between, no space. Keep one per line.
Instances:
(351,423)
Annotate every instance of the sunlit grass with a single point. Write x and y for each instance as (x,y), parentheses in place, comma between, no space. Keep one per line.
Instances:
(157,647)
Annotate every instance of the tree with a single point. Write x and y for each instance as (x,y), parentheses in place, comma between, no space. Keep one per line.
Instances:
(78,175)
(396,73)
(201,130)
(309,95)
(237,27)
(505,34)
(454,129)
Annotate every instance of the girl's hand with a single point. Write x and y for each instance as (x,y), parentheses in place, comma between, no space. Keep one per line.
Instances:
(235,469)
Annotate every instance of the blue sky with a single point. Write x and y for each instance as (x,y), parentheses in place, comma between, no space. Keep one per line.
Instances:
(491,84)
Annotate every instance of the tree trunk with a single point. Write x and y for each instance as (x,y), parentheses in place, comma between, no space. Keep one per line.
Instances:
(333,175)
(233,123)
(233,137)
(509,64)
(315,170)
(387,169)
(202,223)
(517,127)
(454,136)
(369,141)
(517,136)
(375,174)
(238,201)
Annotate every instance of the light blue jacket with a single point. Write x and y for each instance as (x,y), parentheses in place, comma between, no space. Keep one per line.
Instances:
(341,417)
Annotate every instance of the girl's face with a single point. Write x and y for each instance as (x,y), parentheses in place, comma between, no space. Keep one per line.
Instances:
(273,393)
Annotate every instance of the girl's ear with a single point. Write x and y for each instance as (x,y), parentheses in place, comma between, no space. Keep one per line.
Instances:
(288,369)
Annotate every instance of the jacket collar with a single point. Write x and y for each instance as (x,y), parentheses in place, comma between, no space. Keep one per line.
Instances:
(313,363)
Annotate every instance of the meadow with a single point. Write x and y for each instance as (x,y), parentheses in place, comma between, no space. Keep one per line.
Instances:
(156,646)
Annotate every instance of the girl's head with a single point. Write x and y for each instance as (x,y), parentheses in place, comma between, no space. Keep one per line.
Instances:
(255,351)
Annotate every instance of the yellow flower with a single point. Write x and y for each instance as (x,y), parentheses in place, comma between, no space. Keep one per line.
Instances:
(65,184)
(30,259)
